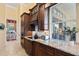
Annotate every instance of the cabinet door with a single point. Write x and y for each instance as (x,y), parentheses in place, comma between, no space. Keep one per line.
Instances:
(36,53)
(28,46)
(26,23)
(41,17)
(43,50)
(62,53)
(25,18)
(50,51)
(39,51)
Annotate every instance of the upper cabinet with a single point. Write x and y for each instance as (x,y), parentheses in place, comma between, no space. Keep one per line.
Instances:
(40,13)
(38,16)
(25,19)
(34,17)
(41,16)
(34,12)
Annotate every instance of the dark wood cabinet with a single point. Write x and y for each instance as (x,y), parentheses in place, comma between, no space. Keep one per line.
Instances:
(45,50)
(25,19)
(34,14)
(50,51)
(38,13)
(62,53)
(38,16)
(41,17)
(28,46)
(39,50)
(34,48)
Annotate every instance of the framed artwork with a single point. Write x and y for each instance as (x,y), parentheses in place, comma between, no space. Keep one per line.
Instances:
(11,30)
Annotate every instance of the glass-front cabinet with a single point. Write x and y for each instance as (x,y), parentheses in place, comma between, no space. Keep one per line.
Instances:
(62,22)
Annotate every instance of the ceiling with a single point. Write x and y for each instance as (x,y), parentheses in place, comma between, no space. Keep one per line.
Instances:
(14,5)
(24,7)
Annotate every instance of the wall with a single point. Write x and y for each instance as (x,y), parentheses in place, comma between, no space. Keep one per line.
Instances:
(9,12)
(2,20)
(25,7)
(12,11)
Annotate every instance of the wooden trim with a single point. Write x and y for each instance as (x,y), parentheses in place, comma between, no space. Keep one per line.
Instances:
(52,4)
(40,4)
(36,6)
(32,8)
(25,14)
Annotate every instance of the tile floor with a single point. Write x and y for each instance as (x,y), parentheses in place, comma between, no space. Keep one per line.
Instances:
(12,48)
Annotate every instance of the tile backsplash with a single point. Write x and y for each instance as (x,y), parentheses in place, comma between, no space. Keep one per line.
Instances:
(41,33)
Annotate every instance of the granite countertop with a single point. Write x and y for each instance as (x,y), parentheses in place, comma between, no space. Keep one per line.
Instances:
(72,49)
(27,37)
(66,48)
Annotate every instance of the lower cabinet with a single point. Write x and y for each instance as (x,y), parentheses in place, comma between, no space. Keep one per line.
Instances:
(39,50)
(28,46)
(44,50)
(62,53)
(34,48)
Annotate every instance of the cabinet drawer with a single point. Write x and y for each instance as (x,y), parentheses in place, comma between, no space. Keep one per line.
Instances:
(51,51)
(28,46)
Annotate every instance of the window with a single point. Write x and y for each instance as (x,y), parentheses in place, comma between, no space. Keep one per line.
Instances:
(63,22)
